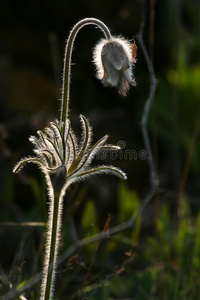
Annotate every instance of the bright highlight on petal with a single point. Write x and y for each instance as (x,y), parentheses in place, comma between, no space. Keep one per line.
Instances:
(114,60)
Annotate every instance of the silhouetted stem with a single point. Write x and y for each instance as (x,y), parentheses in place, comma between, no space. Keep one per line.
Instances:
(67,63)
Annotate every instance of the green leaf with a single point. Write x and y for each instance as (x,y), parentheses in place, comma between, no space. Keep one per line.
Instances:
(86,135)
(128,206)
(98,170)
(89,224)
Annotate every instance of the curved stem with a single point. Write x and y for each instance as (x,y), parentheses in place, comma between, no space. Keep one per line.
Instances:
(67,63)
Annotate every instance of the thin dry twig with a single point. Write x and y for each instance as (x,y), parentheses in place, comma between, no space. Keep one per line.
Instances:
(25,224)
(147,107)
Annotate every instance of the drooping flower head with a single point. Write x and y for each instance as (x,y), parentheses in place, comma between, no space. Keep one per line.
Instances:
(114,60)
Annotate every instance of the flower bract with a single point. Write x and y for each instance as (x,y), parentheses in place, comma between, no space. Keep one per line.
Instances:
(63,160)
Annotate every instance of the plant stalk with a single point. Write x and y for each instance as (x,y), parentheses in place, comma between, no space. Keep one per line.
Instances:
(67,63)
(52,245)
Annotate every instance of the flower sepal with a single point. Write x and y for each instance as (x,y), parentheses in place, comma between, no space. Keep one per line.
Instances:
(114,59)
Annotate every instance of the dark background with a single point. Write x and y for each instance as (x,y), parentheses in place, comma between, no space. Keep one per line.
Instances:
(33,37)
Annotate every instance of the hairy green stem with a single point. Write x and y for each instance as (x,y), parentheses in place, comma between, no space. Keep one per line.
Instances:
(67,63)
(52,245)
(53,249)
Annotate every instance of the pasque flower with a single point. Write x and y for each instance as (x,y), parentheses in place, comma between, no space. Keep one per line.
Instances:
(114,60)
(57,151)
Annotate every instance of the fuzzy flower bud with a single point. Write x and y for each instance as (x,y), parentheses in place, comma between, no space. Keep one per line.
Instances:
(114,59)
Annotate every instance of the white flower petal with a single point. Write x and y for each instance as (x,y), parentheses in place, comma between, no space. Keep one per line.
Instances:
(113,60)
